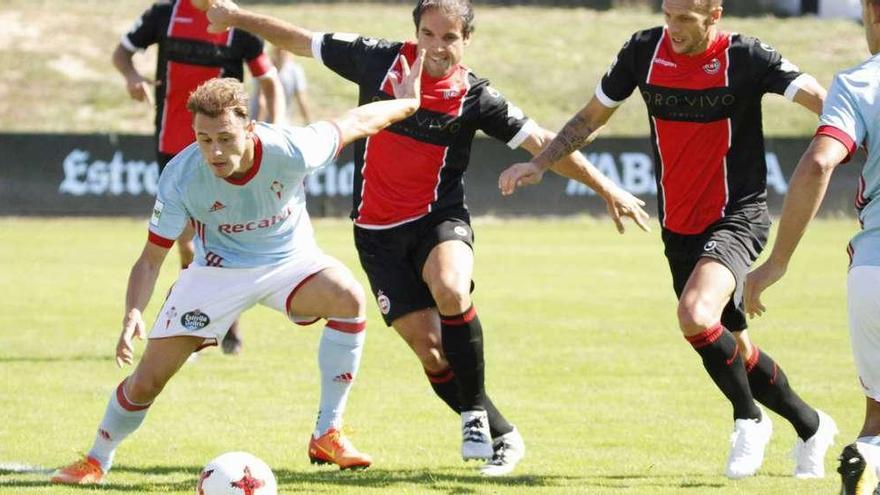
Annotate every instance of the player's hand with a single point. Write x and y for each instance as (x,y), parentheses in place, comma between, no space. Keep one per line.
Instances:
(220,15)
(139,89)
(519,175)
(408,84)
(620,203)
(759,279)
(132,326)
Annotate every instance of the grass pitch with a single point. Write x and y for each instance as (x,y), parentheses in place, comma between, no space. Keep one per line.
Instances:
(583,354)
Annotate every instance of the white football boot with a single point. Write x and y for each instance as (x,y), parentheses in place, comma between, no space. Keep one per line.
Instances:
(509,450)
(748,441)
(810,455)
(476,441)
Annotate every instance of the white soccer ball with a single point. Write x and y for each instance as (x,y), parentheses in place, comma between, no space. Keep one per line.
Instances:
(236,473)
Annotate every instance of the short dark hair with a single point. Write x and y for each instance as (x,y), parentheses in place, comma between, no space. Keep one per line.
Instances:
(453,8)
(215,96)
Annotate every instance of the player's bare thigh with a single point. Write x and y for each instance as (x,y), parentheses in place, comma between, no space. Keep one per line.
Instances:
(448,272)
(707,291)
(332,292)
(161,360)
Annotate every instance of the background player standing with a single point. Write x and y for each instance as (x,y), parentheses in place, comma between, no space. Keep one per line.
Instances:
(703,90)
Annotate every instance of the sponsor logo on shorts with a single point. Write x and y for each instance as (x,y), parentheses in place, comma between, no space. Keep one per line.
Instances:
(460,230)
(170,315)
(384,302)
(710,246)
(194,320)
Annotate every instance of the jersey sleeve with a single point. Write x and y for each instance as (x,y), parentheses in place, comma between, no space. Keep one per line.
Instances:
(619,81)
(347,54)
(169,215)
(775,73)
(258,62)
(145,30)
(502,119)
(840,117)
(317,144)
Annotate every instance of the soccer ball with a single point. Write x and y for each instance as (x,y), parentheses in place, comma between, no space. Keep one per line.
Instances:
(236,473)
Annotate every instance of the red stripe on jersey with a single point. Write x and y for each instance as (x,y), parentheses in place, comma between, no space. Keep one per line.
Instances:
(186,22)
(159,240)
(192,23)
(841,136)
(692,154)
(694,180)
(181,80)
(258,159)
(398,171)
(260,65)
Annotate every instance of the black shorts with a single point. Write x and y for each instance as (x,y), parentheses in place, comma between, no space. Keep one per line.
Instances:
(393,260)
(735,241)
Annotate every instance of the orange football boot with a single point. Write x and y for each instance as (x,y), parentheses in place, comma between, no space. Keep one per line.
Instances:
(333,448)
(86,471)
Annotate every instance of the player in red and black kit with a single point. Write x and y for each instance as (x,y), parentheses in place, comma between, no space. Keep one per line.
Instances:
(703,90)
(188,56)
(412,228)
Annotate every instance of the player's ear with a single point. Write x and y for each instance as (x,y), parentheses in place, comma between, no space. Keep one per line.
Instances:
(251,125)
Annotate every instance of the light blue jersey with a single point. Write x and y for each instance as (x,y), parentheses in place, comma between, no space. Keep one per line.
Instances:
(257,220)
(852,116)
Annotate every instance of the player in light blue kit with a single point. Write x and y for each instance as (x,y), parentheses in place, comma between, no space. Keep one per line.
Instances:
(850,119)
(241,187)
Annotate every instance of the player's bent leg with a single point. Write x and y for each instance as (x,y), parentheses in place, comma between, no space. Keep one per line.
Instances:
(448,272)
(334,294)
(702,300)
(128,407)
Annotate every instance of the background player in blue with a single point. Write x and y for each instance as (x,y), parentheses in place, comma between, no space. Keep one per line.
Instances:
(241,186)
(412,228)
(850,119)
(703,89)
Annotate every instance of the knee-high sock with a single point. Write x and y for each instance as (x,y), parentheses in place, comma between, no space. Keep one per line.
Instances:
(121,418)
(462,338)
(770,387)
(722,359)
(446,387)
(339,356)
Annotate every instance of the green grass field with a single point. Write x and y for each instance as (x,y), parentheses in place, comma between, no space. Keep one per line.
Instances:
(583,352)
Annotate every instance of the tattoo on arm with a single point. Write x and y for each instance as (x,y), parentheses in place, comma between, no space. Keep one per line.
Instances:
(576,134)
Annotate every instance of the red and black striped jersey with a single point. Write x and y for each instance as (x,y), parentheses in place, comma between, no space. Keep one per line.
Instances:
(705,118)
(188,56)
(416,166)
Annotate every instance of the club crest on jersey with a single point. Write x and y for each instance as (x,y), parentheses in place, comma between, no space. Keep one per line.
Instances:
(194,320)
(383,302)
(170,315)
(276,188)
(710,246)
(712,67)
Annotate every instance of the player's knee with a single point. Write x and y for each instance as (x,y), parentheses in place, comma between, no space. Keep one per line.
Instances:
(694,318)
(351,300)
(450,296)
